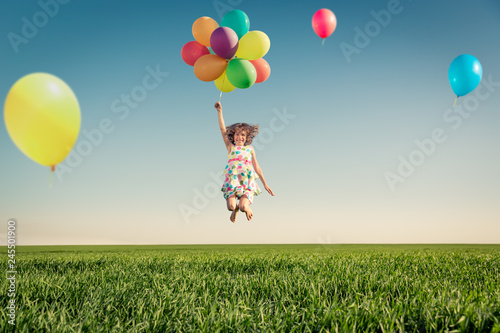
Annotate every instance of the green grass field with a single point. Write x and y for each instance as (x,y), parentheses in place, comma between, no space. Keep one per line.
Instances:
(256,288)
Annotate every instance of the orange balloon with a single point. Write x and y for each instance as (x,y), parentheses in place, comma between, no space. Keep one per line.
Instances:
(203,28)
(209,67)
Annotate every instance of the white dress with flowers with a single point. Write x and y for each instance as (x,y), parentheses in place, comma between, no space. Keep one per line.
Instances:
(239,175)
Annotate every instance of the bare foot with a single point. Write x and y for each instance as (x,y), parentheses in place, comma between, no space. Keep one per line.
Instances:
(234,214)
(249,213)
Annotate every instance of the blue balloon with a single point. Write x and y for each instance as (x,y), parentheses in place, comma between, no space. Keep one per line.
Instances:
(464,74)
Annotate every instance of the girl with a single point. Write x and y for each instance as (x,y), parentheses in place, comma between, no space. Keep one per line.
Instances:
(239,174)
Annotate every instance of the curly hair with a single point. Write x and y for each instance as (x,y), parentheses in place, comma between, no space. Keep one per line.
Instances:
(250,130)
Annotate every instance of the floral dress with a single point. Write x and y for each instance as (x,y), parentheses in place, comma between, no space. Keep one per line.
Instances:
(239,175)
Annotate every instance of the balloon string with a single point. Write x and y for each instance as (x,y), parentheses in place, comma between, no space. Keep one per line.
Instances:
(455,101)
(52,168)
(223,79)
(323,42)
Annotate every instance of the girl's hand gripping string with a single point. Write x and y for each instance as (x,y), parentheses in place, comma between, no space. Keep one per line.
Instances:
(218,106)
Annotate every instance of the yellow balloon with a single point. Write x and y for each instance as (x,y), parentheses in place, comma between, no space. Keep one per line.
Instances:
(253,45)
(42,117)
(223,84)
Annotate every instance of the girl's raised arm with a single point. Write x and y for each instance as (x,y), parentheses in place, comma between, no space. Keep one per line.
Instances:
(222,127)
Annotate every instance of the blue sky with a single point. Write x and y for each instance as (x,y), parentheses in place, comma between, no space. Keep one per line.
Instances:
(334,125)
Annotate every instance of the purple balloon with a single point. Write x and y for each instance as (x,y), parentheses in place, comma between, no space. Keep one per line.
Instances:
(224,42)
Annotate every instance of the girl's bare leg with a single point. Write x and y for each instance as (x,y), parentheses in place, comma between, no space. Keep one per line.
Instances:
(232,206)
(245,207)
(234,214)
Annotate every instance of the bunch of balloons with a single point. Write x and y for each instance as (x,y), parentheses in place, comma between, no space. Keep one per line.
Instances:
(464,74)
(42,117)
(229,54)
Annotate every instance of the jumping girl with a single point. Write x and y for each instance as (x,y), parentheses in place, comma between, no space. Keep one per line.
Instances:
(242,168)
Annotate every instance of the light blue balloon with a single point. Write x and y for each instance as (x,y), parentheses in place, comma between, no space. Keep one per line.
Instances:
(464,74)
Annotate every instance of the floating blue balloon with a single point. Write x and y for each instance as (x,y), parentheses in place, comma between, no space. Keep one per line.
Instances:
(464,74)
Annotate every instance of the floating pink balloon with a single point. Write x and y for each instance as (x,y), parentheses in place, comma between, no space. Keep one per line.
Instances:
(224,42)
(324,22)
(263,69)
(193,50)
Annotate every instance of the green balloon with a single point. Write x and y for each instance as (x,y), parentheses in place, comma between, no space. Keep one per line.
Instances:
(241,73)
(236,20)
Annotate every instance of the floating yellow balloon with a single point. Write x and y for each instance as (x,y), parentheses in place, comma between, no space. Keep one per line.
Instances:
(42,117)
(253,45)
(223,84)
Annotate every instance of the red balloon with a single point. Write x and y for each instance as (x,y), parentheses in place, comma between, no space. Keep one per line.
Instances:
(263,69)
(193,50)
(324,22)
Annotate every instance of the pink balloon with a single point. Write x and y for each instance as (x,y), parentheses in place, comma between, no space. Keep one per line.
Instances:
(324,22)
(224,42)
(263,69)
(193,50)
